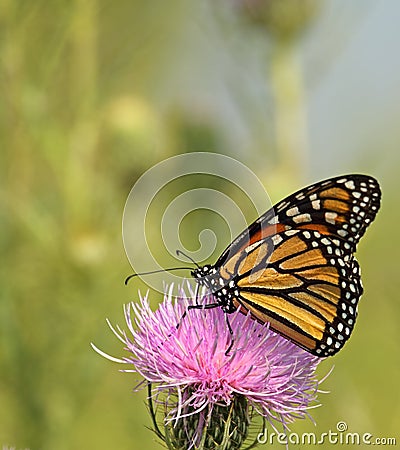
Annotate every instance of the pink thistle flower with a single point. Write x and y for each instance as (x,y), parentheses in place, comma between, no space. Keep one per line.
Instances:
(200,385)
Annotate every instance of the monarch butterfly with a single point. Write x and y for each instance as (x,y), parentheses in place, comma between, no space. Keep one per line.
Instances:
(294,267)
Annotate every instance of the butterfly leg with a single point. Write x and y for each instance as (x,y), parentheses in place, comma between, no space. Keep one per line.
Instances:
(210,306)
(231,335)
(196,306)
(196,294)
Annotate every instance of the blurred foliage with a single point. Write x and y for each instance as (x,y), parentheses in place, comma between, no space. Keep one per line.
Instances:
(92,95)
(284,20)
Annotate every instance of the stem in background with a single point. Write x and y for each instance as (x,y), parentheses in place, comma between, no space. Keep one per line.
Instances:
(290,110)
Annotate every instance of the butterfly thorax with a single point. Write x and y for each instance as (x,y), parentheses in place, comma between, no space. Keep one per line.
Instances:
(224,293)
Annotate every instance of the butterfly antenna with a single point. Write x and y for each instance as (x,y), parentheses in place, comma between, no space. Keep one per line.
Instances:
(180,253)
(155,271)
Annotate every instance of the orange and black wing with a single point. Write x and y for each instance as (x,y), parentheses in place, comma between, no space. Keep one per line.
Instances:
(294,267)
(307,287)
(340,207)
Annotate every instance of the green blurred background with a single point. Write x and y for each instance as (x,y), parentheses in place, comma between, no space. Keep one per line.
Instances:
(93,93)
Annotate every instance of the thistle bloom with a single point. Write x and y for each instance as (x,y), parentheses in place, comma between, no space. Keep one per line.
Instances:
(209,397)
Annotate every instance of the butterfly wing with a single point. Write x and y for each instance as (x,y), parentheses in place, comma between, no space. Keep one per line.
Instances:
(342,206)
(294,266)
(308,291)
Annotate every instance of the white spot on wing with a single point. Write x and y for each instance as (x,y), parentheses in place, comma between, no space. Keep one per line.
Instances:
(350,184)
(253,246)
(330,217)
(277,239)
(316,204)
(292,211)
(302,218)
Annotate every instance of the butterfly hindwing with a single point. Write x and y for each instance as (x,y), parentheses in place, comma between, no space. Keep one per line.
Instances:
(308,288)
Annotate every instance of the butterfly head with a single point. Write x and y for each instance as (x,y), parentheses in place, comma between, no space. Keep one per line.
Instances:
(223,293)
(202,274)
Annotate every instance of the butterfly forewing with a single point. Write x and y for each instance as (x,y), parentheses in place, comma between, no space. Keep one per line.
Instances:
(342,206)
